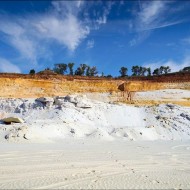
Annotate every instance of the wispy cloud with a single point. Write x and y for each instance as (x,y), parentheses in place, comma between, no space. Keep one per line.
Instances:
(103,19)
(162,25)
(152,15)
(8,67)
(16,36)
(174,65)
(90,44)
(68,31)
(150,11)
(64,23)
(25,34)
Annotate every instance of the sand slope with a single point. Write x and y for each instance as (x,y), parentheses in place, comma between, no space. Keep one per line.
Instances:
(80,117)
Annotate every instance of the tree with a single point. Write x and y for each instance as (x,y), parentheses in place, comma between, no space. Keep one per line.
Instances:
(148,71)
(88,71)
(142,71)
(123,71)
(70,66)
(162,70)
(78,71)
(186,69)
(32,71)
(135,70)
(60,68)
(166,70)
(93,71)
(156,72)
(139,71)
(81,70)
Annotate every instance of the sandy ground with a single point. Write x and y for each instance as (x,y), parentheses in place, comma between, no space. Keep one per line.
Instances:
(88,142)
(175,96)
(96,165)
(167,94)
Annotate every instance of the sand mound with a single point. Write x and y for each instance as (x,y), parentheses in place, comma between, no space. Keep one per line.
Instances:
(78,117)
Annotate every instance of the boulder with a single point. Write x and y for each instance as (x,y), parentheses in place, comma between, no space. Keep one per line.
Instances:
(84,104)
(10,120)
(47,101)
(185,116)
(59,100)
(80,101)
(72,99)
(171,106)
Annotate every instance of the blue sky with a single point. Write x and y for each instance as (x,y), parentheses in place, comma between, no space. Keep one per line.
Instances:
(105,34)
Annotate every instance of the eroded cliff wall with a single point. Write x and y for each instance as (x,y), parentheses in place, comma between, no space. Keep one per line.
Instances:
(20,86)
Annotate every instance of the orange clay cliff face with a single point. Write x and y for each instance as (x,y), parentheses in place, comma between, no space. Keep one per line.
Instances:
(28,86)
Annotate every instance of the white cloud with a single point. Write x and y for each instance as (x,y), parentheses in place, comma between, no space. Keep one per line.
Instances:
(106,10)
(18,38)
(27,34)
(152,15)
(33,34)
(68,31)
(7,67)
(102,20)
(65,7)
(150,11)
(90,44)
(175,66)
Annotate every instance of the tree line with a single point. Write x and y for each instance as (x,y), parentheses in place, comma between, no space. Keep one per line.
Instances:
(86,70)
(63,68)
(82,70)
(144,71)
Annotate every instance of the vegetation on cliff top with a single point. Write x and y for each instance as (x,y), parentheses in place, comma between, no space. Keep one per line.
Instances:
(86,70)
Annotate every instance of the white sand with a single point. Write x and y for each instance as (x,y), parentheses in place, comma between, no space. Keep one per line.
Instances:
(98,120)
(168,94)
(96,164)
(80,142)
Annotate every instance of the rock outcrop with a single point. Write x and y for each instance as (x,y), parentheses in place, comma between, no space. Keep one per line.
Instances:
(48,85)
(10,120)
(79,101)
(46,101)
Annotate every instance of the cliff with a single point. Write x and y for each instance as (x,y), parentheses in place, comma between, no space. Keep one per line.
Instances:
(20,85)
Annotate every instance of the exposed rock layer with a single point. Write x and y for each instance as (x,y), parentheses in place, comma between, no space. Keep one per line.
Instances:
(19,85)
